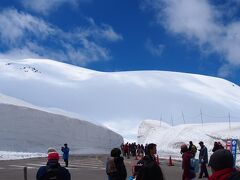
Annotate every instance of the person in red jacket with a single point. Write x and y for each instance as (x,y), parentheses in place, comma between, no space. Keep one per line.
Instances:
(221,163)
(186,156)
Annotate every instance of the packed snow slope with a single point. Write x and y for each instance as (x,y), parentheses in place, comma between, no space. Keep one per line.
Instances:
(170,138)
(25,129)
(120,100)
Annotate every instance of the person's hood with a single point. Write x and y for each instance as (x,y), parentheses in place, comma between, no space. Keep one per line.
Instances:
(222,174)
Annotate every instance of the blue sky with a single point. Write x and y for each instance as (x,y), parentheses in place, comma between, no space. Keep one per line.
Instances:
(193,36)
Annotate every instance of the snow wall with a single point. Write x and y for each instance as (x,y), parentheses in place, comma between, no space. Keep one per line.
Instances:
(29,130)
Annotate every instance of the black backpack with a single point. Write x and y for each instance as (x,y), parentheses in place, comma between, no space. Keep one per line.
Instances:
(52,173)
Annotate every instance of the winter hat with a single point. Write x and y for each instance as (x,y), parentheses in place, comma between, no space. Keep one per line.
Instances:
(221,159)
(53,156)
(51,149)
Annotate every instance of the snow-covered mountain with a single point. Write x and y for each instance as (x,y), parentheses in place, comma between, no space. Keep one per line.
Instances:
(170,138)
(120,100)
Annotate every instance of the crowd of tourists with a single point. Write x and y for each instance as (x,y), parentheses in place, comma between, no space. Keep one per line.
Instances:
(133,149)
(221,163)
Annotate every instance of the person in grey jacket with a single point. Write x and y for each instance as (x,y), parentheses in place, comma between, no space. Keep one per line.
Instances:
(203,159)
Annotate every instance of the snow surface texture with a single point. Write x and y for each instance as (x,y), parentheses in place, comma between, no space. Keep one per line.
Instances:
(170,138)
(29,130)
(6,155)
(119,100)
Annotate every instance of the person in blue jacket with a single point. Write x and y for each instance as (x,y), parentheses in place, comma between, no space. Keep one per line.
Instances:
(53,170)
(65,151)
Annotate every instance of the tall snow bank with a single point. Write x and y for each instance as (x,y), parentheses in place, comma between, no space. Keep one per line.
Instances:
(24,129)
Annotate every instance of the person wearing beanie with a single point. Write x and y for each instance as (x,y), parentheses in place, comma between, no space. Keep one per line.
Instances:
(53,156)
(53,170)
(51,149)
(222,166)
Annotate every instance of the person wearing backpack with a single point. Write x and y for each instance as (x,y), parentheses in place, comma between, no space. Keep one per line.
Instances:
(222,166)
(53,170)
(115,167)
(192,148)
(188,172)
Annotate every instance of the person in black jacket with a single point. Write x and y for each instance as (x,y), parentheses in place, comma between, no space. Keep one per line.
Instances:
(115,167)
(203,159)
(150,169)
(53,170)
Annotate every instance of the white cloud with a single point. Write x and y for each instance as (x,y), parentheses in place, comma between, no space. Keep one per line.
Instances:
(225,71)
(201,23)
(88,53)
(45,6)
(155,50)
(230,43)
(108,33)
(14,25)
(25,35)
(103,32)
(19,53)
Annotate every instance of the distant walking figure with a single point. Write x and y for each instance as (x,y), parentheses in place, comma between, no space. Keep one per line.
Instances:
(203,158)
(65,151)
(53,170)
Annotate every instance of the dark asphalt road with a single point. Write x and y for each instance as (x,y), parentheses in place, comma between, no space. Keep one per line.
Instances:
(80,167)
